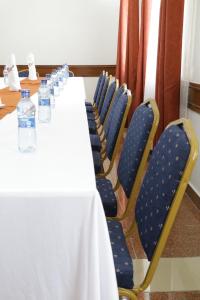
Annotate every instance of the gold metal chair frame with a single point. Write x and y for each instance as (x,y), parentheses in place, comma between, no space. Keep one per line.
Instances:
(119,138)
(133,293)
(72,73)
(143,164)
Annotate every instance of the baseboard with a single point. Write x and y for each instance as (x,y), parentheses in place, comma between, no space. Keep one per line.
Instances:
(193,195)
(78,70)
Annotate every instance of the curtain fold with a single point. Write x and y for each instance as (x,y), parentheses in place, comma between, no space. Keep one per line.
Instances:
(142,56)
(128,43)
(169,61)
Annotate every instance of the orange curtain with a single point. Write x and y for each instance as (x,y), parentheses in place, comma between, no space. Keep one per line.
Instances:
(169,61)
(128,43)
(142,56)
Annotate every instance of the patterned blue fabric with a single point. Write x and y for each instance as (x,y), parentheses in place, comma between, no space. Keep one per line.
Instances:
(24,73)
(100,91)
(97,162)
(107,195)
(92,127)
(120,91)
(89,109)
(87,103)
(97,87)
(107,101)
(116,121)
(134,145)
(160,183)
(105,88)
(95,142)
(90,116)
(122,259)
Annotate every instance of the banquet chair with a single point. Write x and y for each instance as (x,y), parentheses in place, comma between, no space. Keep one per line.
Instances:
(98,140)
(97,122)
(90,107)
(93,117)
(159,199)
(25,73)
(132,161)
(114,136)
(71,74)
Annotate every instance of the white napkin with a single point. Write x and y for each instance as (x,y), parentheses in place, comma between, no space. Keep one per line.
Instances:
(13,76)
(31,67)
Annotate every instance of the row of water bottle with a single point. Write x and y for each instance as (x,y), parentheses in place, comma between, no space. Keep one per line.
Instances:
(49,89)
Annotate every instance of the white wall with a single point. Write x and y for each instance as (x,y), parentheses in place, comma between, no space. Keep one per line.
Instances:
(58,31)
(191,61)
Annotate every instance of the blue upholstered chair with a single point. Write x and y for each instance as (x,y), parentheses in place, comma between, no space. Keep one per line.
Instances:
(133,159)
(157,204)
(114,135)
(25,73)
(71,74)
(92,107)
(98,140)
(98,122)
(93,117)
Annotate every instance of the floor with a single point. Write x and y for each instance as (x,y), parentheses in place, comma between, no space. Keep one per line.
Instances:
(178,273)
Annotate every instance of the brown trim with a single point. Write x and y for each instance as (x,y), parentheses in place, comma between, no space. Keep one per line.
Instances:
(78,70)
(194,97)
(193,195)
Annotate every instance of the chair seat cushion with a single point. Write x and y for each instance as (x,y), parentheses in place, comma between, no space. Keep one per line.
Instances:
(92,127)
(97,162)
(95,142)
(88,103)
(122,259)
(90,116)
(107,195)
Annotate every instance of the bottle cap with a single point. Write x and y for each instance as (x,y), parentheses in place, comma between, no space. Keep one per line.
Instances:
(23,93)
(27,93)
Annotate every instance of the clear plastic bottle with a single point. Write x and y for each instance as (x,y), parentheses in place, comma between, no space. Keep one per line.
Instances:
(44,107)
(26,123)
(60,78)
(51,89)
(56,88)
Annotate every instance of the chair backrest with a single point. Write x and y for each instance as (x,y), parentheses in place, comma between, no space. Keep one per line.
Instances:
(71,74)
(121,90)
(136,148)
(97,86)
(163,187)
(108,100)
(100,90)
(117,123)
(23,73)
(103,94)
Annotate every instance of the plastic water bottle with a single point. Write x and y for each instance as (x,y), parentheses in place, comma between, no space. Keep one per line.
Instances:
(51,89)
(66,71)
(44,108)
(56,88)
(26,123)
(5,75)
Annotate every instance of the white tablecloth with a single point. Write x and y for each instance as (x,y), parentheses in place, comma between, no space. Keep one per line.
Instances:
(54,243)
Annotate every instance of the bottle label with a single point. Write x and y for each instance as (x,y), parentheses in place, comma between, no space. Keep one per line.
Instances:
(44,102)
(26,122)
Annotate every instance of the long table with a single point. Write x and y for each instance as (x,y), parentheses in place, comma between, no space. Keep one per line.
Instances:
(54,242)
